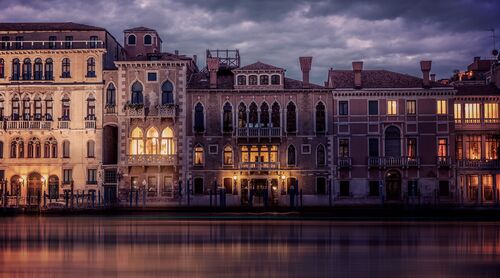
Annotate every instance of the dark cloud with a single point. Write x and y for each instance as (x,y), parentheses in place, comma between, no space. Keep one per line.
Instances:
(387,34)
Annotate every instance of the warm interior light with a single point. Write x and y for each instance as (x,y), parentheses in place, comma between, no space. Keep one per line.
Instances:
(235,177)
(283,177)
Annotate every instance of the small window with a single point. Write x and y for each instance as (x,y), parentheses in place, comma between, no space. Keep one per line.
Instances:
(213,149)
(66,149)
(306,149)
(67,176)
(199,118)
(252,80)
(373,188)
(411,107)
(199,157)
(392,107)
(344,189)
(66,73)
(242,80)
(442,147)
(373,107)
(291,160)
(264,80)
(52,42)
(228,156)
(198,186)
(131,39)
(91,67)
(321,185)
(90,149)
(442,107)
(93,41)
(343,108)
(91,176)
(148,40)
(320,156)
(152,77)
(275,79)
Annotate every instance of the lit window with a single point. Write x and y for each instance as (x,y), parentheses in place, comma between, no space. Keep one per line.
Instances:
(167,141)
(228,155)
(472,112)
(343,147)
(152,141)
(412,147)
(442,107)
(442,147)
(491,112)
(391,107)
(492,146)
(198,155)
(473,147)
(457,107)
(137,142)
(411,107)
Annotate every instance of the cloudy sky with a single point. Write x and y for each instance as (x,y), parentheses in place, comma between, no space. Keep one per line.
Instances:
(388,34)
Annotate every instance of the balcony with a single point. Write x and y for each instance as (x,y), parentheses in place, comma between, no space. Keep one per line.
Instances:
(27,125)
(256,132)
(110,109)
(483,164)
(397,161)
(37,45)
(163,111)
(344,162)
(152,160)
(90,122)
(443,161)
(135,110)
(63,124)
(257,166)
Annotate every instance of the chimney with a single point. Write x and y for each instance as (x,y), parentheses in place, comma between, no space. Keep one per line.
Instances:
(213,67)
(433,77)
(305,66)
(195,59)
(426,69)
(357,67)
(477,58)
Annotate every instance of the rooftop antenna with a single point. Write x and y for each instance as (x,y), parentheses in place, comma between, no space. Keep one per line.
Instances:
(494,52)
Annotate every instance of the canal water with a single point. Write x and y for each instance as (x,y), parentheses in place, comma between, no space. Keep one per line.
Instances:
(156,246)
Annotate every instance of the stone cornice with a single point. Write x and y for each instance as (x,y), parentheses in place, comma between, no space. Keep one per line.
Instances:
(52,51)
(149,64)
(395,92)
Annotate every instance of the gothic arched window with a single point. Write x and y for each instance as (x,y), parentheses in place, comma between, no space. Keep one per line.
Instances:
(320,118)
(137,93)
(199,118)
(320,156)
(167,93)
(291,118)
(242,115)
(291,161)
(227,118)
(264,115)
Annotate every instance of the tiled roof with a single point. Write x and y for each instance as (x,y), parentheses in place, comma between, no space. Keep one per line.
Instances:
(140,28)
(297,84)
(376,79)
(48,26)
(477,90)
(159,56)
(258,66)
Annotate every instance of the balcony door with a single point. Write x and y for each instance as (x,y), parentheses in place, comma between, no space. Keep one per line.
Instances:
(392,142)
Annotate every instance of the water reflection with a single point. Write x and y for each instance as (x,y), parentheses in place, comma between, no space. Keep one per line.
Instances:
(157,247)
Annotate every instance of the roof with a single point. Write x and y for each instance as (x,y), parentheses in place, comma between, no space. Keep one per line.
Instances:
(480,65)
(48,26)
(163,56)
(258,66)
(343,79)
(478,90)
(140,28)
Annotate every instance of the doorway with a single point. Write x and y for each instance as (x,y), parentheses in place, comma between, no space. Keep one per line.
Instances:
(34,188)
(259,187)
(393,185)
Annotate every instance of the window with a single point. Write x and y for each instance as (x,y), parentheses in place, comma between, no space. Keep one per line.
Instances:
(152,76)
(411,107)
(242,80)
(321,185)
(275,115)
(1,149)
(198,186)
(242,115)
(442,147)
(15,108)
(5,42)
(16,69)
(91,176)
(38,69)
(291,118)
(93,41)
(26,108)
(199,118)
(320,118)
(291,157)
(413,188)
(167,146)
(264,80)
(167,93)
(320,156)
(228,185)
(65,103)
(50,148)
(34,148)
(228,155)
(473,145)
(343,147)
(373,107)
(264,115)
(137,93)
(492,146)
(2,108)
(17,148)
(306,149)
(199,158)
(67,176)
(66,149)
(373,188)
(91,67)
(213,149)
(131,39)
(253,115)
(444,188)
(227,118)
(343,108)
(373,147)
(38,108)
(252,80)
(392,142)
(2,69)
(137,142)
(52,42)
(457,112)
(491,112)
(90,108)
(344,189)
(49,69)
(459,147)
(411,147)
(26,69)
(168,187)
(442,107)
(392,107)
(66,68)
(472,113)
(148,40)
(19,42)
(275,79)
(110,95)
(90,149)
(68,42)
(152,186)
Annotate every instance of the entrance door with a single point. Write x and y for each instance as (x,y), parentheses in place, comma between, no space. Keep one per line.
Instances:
(244,192)
(260,191)
(393,185)
(109,194)
(53,187)
(34,188)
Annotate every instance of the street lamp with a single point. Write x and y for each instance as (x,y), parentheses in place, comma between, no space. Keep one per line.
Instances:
(235,190)
(283,177)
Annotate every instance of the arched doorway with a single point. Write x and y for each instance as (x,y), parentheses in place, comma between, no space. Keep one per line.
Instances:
(110,145)
(393,185)
(53,187)
(34,187)
(392,142)
(15,186)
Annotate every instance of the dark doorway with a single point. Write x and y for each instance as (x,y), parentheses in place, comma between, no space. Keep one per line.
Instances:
(110,145)
(259,187)
(392,142)
(393,185)
(53,187)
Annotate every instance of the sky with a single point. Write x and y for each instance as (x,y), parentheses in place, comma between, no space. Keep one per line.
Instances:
(386,34)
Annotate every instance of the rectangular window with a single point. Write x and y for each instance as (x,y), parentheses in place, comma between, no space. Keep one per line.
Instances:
(321,185)
(412,147)
(228,185)
(212,149)
(413,188)
(52,42)
(306,149)
(67,176)
(91,176)
(198,186)
(457,112)
(19,42)
(373,107)
(411,107)
(168,187)
(392,107)
(444,188)
(473,144)
(374,188)
(373,147)
(472,113)
(344,189)
(343,108)
(152,76)
(343,147)
(442,107)
(492,146)
(93,41)
(152,186)
(5,44)
(459,147)
(68,42)
(491,112)
(442,147)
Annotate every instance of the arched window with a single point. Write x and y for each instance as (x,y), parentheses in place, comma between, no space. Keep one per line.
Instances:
(242,80)
(66,149)
(137,142)
(228,155)
(16,110)
(34,148)
(199,155)
(167,141)
(227,118)
(38,108)
(90,107)
(50,148)
(275,79)
(264,115)
(49,69)
(137,93)
(167,93)
(65,105)
(291,118)
(253,116)
(91,67)
(131,39)
(26,108)
(291,159)
(66,68)
(17,148)
(392,142)
(148,40)
(2,69)
(264,79)
(110,95)
(242,115)
(252,80)
(199,118)
(152,141)
(27,69)
(16,69)
(320,155)
(49,108)
(90,149)
(320,118)
(275,115)
(38,69)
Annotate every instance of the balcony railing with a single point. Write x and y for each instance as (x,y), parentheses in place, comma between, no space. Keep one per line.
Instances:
(344,162)
(110,109)
(151,159)
(27,125)
(444,161)
(90,122)
(164,111)
(63,124)
(479,163)
(393,161)
(30,45)
(255,132)
(477,121)
(259,165)
(135,111)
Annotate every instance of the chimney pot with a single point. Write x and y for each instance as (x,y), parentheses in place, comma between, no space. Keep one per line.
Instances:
(357,67)
(426,69)
(305,66)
